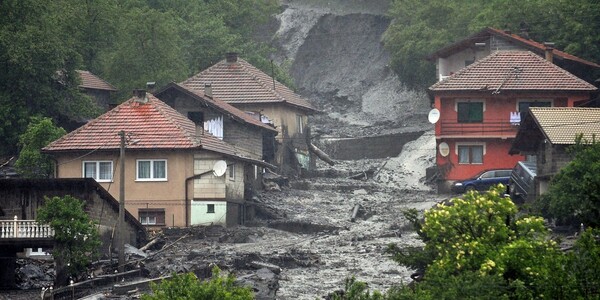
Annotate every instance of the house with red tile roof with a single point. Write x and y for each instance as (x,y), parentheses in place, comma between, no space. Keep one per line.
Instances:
(244,131)
(466,51)
(236,82)
(480,108)
(97,88)
(547,133)
(168,164)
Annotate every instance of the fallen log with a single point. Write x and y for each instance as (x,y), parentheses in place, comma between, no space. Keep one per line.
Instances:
(318,152)
(151,243)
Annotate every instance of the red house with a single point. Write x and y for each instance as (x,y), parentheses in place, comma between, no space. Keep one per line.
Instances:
(480,108)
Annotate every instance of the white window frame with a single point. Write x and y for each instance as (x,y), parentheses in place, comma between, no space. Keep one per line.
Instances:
(97,175)
(148,220)
(231,173)
(470,144)
(152,170)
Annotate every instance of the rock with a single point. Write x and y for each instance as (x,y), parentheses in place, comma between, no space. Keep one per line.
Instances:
(360,192)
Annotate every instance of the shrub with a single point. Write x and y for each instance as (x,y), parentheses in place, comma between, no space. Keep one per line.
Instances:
(188,287)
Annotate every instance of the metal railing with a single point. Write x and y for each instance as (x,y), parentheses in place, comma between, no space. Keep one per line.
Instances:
(26,229)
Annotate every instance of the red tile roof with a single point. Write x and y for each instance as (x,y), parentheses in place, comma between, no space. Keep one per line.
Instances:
(218,105)
(152,125)
(484,34)
(91,81)
(512,70)
(241,83)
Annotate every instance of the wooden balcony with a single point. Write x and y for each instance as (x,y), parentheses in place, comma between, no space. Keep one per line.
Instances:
(488,129)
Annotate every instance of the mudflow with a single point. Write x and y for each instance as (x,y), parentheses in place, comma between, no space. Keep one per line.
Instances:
(315,232)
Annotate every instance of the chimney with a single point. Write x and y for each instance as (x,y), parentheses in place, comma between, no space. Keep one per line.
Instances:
(140,96)
(549,51)
(231,57)
(208,90)
(150,85)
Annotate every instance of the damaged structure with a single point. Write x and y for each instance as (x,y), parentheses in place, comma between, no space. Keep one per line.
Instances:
(247,88)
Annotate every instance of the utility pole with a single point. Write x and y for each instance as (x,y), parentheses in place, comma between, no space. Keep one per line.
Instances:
(121,222)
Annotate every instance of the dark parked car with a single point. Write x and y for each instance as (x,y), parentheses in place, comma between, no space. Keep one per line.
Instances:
(483,181)
(522,176)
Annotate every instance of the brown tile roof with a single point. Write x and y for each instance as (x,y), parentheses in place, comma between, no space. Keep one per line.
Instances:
(484,34)
(91,81)
(241,83)
(512,70)
(217,104)
(561,125)
(153,125)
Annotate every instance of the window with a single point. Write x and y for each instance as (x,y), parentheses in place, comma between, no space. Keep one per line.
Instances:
(523,106)
(470,112)
(299,124)
(231,172)
(101,171)
(210,208)
(489,174)
(152,216)
(470,154)
(152,170)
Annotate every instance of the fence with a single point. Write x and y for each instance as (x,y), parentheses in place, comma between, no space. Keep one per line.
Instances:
(29,229)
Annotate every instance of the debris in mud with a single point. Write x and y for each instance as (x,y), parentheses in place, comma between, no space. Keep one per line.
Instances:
(34,274)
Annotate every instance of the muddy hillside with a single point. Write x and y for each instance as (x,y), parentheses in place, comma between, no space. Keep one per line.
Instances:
(335,54)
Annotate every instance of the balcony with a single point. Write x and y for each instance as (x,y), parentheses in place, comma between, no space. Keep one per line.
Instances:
(24,229)
(490,129)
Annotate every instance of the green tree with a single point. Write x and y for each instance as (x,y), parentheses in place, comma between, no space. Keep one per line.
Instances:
(188,287)
(148,49)
(573,195)
(75,234)
(32,163)
(38,62)
(479,248)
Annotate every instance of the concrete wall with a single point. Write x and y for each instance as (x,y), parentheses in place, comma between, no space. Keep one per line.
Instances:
(368,147)
(208,186)
(201,216)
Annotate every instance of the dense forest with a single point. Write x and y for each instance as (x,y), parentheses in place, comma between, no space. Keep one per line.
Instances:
(420,27)
(131,42)
(128,43)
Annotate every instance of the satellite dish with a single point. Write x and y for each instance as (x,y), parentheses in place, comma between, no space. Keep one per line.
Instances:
(219,168)
(434,116)
(444,149)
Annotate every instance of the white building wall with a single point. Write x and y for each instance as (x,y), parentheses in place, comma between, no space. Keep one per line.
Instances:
(202,216)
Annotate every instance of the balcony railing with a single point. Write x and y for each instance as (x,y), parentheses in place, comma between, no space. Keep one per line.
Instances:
(489,128)
(25,229)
